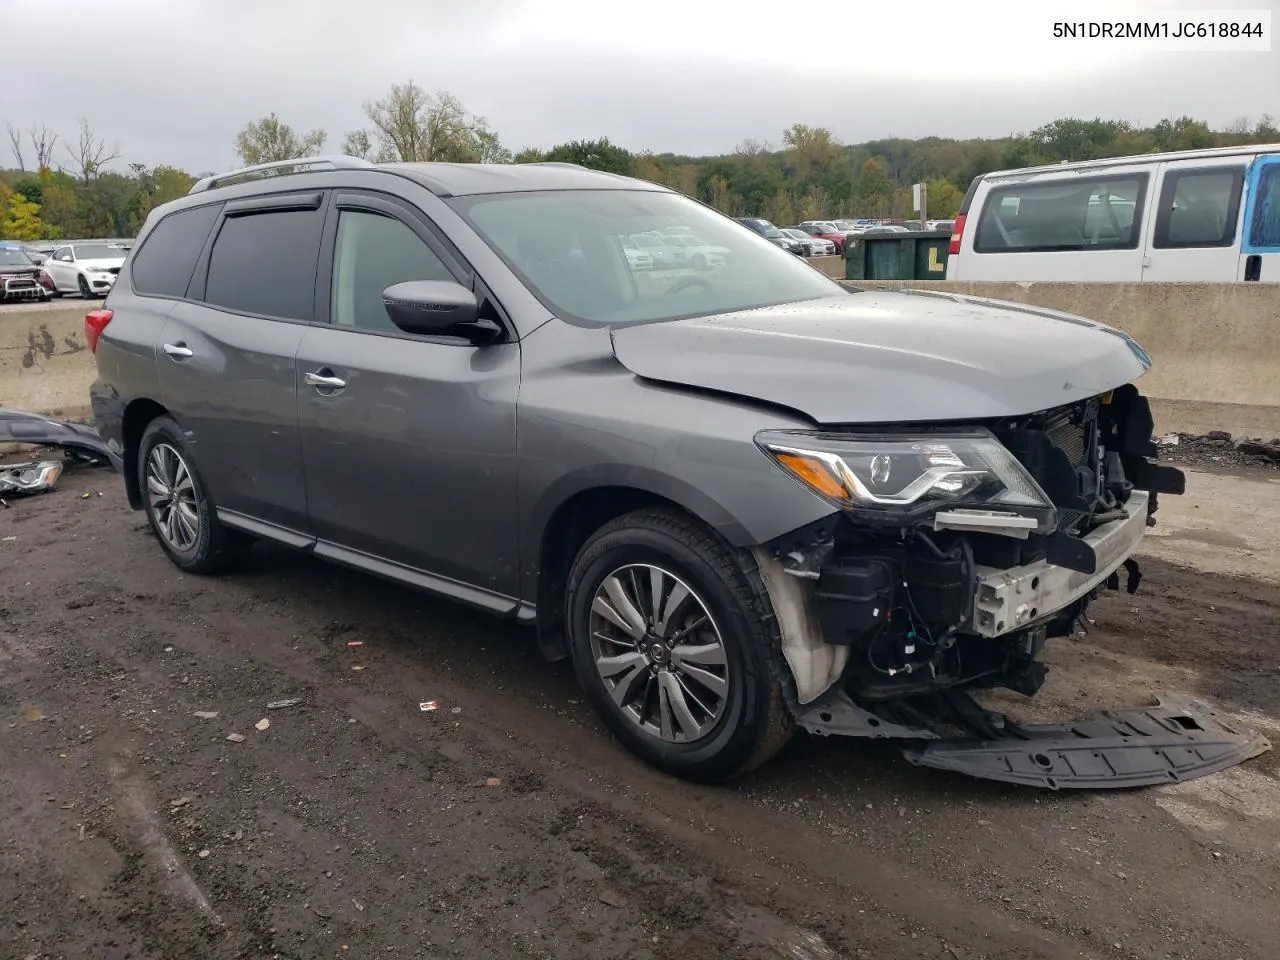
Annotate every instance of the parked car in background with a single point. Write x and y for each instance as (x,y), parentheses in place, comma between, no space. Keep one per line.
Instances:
(815,246)
(941,226)
(773,235)
(702,255)
(666,254)
(1195,215)
(19,275)
(637,259)
(39,252)
(740,503)
(827,230)
(86,267)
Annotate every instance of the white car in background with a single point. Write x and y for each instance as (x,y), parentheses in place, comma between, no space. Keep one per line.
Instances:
(701,255)
(87,267)
(818,247)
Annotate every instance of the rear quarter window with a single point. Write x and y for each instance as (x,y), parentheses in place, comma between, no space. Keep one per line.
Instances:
(1094,213)
(163,265)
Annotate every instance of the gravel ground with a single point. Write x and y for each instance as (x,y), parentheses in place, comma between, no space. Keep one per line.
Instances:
(507,823)
(1218,451)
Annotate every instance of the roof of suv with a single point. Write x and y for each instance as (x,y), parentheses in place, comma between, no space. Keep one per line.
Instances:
(442,179)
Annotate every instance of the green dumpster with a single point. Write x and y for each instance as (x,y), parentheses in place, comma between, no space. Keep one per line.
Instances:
(919,255)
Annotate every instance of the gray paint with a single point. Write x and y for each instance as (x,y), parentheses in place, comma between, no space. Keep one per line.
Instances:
(440,463)
(888,357)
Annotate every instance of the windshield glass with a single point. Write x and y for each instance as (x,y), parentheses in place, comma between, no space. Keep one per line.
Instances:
(99,251)
(14,257)
(567,245)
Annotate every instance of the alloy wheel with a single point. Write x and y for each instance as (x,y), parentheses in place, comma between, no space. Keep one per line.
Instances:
(659,653)
(172,493)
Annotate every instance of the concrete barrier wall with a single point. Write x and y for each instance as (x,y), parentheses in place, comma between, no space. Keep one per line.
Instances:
(1215,347)
(45,365)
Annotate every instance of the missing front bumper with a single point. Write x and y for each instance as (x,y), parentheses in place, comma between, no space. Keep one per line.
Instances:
(1179,739)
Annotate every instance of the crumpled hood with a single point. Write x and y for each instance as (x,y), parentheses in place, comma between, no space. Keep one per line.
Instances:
(879,357)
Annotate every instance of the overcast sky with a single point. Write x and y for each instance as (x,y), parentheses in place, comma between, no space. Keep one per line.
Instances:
(173,80)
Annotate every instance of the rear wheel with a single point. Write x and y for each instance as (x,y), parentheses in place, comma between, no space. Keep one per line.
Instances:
(671,635)
(177,503)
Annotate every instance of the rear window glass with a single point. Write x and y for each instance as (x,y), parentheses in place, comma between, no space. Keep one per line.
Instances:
(265,264)
(1099,213)
(162,267)
(1199,208)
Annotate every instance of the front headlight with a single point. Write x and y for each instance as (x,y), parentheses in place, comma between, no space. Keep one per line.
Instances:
(904,479)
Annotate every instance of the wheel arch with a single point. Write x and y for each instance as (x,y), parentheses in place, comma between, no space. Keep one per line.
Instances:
(137,415)
(581,504)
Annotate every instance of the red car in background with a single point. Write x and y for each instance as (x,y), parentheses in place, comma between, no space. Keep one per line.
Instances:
(827,231)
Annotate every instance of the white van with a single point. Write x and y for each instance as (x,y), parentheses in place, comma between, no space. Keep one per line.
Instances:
(1199,215)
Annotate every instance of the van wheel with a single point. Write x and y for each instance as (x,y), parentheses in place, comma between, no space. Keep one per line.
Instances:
(671,635)
(178,506)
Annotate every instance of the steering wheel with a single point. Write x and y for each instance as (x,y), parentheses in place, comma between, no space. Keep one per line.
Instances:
(686,283)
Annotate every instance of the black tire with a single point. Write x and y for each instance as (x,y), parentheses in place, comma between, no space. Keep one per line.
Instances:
(754,723)
(214,548)
(85,292)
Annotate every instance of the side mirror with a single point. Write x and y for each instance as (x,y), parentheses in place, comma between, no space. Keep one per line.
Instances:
(438,308)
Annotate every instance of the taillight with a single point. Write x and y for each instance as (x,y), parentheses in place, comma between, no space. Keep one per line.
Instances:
(957,231)
(95,321)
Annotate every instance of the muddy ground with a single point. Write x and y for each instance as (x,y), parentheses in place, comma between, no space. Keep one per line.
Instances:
(507,823)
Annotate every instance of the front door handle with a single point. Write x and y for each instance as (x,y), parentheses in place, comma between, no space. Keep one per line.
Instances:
(179,351)
(323,379)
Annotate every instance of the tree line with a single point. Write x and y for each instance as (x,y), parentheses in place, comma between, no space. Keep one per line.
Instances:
(63,187)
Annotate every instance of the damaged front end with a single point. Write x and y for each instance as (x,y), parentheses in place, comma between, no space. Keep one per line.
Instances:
(956,555)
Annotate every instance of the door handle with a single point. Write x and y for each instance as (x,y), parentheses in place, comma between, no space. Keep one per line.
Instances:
(1253,267)
(323,379)
(179,351)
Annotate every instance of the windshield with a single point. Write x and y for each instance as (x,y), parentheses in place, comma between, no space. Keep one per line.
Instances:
(826,226)
(99,251)
(567,246)
(14,257)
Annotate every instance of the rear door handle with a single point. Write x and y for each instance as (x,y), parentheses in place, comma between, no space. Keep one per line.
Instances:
(1253,267)
(324,379)
(179,351)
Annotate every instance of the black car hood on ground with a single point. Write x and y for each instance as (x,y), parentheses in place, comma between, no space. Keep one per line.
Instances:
(880,357)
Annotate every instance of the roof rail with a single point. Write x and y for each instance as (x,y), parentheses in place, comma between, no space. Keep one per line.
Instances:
(279,168)
(558,163)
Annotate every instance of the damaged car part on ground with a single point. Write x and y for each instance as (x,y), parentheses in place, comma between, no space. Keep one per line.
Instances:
(741,502)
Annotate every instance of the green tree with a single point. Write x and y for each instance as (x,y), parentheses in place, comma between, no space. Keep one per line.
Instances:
(875,189)
(270,140)
(413,126)
(594,154)
(357,143)
(812,153)
(22,221)
(528,155)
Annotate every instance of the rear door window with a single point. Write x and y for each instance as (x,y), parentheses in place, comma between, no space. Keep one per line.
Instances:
(265,263)
(1094,213)
(1199,207)
(163,265)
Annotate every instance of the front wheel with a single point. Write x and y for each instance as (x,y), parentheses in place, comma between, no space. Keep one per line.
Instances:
(672,635)
(177,502)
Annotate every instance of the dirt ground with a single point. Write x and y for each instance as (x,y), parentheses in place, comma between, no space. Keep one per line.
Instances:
(507,823)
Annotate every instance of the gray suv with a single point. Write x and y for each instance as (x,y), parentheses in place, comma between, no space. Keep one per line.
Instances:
(742,502)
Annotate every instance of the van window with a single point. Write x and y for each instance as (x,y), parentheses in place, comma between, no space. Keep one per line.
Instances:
(162,267)
(1199,207)
(1098,213)
(1264,231)
(265,264)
